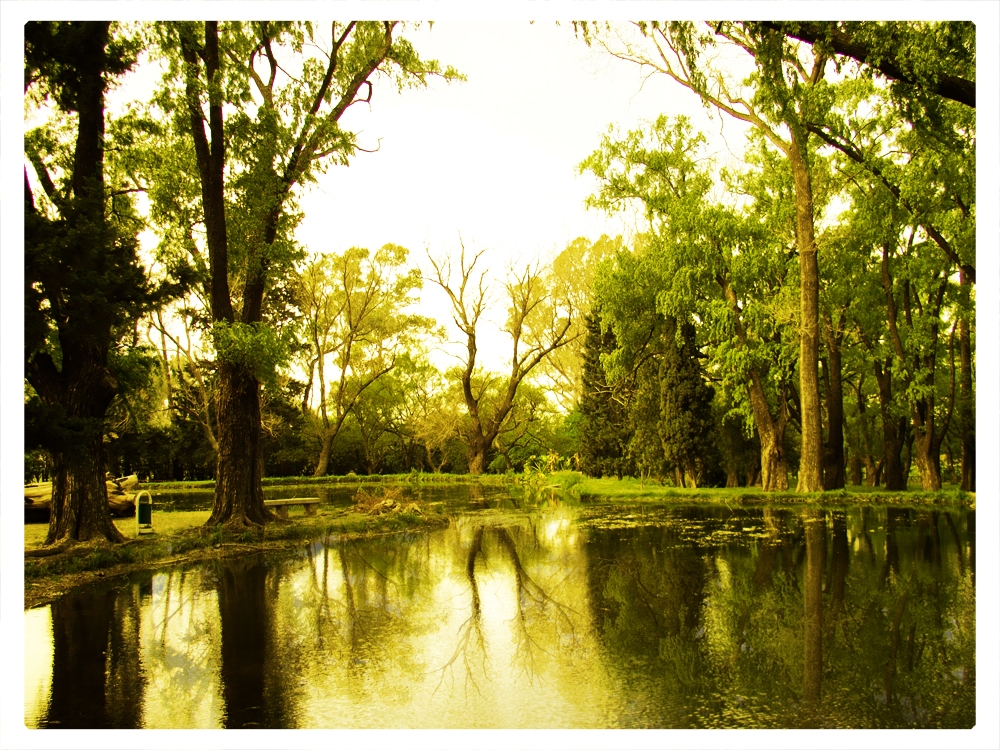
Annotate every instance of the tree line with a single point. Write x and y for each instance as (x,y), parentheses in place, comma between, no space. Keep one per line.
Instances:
(824,287)
(811,308)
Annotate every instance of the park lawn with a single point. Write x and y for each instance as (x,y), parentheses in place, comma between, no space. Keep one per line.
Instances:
(182,537)
(164,523)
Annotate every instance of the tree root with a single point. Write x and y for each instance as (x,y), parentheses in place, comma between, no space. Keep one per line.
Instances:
(51,550)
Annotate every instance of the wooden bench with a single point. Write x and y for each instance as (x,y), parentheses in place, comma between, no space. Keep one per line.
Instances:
(281,506)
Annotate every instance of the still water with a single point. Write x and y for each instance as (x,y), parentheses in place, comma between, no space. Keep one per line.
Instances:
(537,612)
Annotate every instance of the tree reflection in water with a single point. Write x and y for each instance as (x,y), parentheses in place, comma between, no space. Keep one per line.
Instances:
(702,622)
(252,683)
(673,617)
(96,672)
(537,612)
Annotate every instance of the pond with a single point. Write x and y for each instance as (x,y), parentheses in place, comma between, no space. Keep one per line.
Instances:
(537,611)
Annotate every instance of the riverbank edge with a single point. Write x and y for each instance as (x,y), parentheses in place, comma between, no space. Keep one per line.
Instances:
(491,480)
(47,578)
(610,489)
(833,499)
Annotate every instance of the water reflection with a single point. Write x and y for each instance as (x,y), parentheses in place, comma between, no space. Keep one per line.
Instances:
(573,616)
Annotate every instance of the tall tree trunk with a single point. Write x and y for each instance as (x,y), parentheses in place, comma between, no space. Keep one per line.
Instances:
(82,388)
(811,460)
(239,494)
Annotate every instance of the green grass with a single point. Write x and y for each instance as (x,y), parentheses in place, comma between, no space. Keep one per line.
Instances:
(180,533)
(635,489)
(349,479)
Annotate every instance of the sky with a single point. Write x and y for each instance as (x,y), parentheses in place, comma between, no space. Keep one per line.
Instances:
(492,160)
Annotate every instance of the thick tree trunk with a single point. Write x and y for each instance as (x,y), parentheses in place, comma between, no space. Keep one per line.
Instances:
(773,466)
(477,456)
(854,470)
(893,431)
(239,494)
(928,456)
(79,498)
(811,460)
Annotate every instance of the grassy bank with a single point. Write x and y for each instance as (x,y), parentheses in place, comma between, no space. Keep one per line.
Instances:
(181,537)
(635,489)
(414,477)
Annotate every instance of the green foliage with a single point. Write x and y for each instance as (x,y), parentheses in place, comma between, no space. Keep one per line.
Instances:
(255,346)
(686,419)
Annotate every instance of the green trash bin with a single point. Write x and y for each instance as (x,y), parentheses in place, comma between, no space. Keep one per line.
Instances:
(143,513)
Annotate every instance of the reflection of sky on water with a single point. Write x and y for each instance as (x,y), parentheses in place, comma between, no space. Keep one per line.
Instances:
(568,616)
(180,637)
(37,662)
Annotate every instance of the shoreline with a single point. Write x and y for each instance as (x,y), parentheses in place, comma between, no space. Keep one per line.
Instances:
(46,578)
(181,536)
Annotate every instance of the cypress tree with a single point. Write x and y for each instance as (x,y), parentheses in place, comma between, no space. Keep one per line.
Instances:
(685,423)
(604,424)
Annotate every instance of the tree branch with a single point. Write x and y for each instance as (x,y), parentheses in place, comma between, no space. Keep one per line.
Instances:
(948,86)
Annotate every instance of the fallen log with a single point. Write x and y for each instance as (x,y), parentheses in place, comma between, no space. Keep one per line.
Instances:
(38,503)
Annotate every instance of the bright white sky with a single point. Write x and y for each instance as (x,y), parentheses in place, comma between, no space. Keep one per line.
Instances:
(493,160)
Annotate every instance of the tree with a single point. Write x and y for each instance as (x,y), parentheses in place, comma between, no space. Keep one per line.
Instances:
(702,260)
(922,175)
(572,275)
(353,308)
(604,427)
(936,59)
(84,284)
(788,95)
(686,420)
(257,132)
(538,323)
